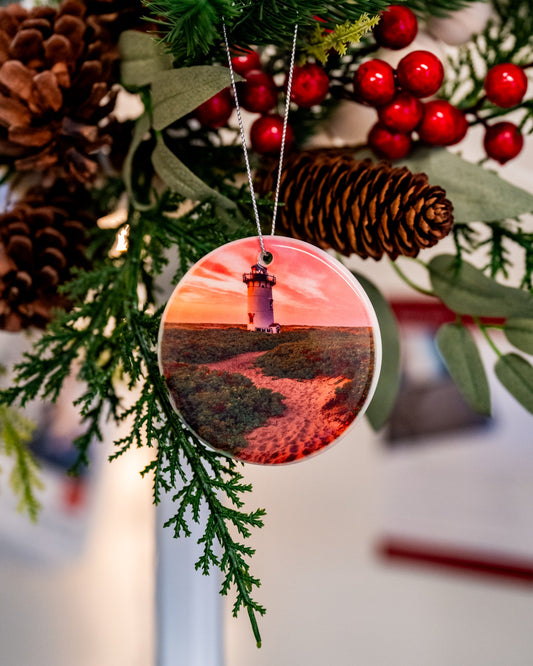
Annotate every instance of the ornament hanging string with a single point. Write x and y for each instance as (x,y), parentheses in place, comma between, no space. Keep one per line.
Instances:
(264,254)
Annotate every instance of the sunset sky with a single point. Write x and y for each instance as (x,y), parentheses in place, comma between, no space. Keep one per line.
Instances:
(308,292)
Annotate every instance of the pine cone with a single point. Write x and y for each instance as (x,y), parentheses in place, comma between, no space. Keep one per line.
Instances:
(55,75)
(335,201)
(41,239)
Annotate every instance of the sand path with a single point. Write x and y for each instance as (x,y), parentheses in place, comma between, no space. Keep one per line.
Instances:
(303,428)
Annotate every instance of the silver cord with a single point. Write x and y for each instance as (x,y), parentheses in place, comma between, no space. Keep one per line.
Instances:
(243,136)
(284,134)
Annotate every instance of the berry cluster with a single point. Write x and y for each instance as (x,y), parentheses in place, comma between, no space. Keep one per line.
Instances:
(397,95)
(260,94)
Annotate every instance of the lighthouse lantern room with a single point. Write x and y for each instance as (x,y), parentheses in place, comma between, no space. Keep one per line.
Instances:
(260,301)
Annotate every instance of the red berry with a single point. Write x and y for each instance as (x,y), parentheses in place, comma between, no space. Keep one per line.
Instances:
(392,145)
(217,110)
(506,85)
(442,124)
(421,73)
(402,114)
(258,93)
(397,28)
(310,85)
(266,133)
(246,61)
(374,82)
(503,141)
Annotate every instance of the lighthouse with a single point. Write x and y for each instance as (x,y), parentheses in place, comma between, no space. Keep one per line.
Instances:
(260,302)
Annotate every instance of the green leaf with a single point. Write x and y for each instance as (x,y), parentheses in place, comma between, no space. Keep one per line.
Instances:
(179,91)
(466,290)
(477,194)
(389,380)
(141,58)
(181,179)
(462,357)
(516,374)
(519,332)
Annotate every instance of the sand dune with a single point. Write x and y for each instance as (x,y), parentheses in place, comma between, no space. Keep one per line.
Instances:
(304,427)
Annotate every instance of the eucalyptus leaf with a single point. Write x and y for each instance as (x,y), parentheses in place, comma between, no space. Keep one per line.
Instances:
(384,397)
(180,178)
(516,374)
(460,352)
(141,58)
(477,194)
(466,290)
(519,332)
(178,92)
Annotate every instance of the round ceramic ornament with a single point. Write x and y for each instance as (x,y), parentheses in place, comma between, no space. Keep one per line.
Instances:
(269,363)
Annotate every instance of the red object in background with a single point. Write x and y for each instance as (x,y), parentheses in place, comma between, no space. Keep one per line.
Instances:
(246,61)
(74,493)
(215,112)
(258,93)
(387,143)
(402,114)
(503,141)
(374,82)
(442,123)
(266,133)
(310,85)
(506,85)
(420,73)
(453,558)
(397,27)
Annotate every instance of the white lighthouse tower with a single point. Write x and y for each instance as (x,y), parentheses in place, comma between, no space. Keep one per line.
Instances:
(260,302)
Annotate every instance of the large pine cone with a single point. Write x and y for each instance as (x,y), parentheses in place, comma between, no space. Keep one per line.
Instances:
(335,201)
(55,88)
(41,239)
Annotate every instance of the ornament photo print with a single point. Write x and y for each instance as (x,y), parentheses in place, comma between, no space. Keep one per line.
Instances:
(269,364)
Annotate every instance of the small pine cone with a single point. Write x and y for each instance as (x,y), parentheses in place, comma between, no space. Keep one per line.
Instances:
(56,68)
(351,206)
(41,239)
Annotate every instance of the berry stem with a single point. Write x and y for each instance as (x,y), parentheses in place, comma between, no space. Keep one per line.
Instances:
(483,328)
(409,282)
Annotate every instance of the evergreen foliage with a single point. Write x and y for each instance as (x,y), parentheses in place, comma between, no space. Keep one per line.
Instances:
(15,434)
(106,357)
(321,41)
(193,29)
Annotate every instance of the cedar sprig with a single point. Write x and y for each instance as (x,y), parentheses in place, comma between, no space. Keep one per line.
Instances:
(501,241)
(108,340)
(322,42)
(15,434)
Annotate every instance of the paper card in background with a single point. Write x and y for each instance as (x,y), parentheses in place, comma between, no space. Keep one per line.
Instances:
(60,531)
(458,488)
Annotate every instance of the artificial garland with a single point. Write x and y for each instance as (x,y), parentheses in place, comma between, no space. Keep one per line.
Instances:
(58,82)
